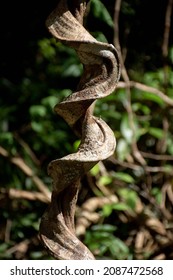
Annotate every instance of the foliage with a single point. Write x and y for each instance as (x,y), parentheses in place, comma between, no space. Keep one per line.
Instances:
(135,222)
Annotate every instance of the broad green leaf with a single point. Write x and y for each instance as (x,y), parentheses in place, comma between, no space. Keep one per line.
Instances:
(156,132)
(129,196)
(100,11)
(49,101)
(124,177)
(105,180)
(120,206)
(37,126)
(152,97)
(107,210)
(38,110)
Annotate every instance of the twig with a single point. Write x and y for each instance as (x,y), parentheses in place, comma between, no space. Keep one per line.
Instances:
(19,162)
(151,169)
(144,87)
(167,28)
(22,247)
(88,215)
(8,230)
(126,79)
(166,35)
(156,156)
(165,248)
(156,169)
(27,149)
(21,194)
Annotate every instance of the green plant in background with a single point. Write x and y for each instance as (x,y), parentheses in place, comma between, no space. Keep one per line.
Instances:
(102,240)
(31,135)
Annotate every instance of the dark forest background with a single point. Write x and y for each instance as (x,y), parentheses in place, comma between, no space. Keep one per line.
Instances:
(125,205)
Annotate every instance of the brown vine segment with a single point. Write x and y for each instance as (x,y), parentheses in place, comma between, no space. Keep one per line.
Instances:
(101,73)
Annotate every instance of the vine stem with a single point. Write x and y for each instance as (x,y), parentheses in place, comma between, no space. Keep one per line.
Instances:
(166,35)
(136,153)
(101,72)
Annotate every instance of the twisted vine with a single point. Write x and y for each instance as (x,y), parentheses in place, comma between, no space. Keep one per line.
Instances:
(101,73)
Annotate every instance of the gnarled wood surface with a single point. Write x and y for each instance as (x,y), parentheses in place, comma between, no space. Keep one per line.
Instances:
(100,76)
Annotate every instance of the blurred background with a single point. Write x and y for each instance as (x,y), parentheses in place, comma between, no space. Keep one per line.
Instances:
(125,205)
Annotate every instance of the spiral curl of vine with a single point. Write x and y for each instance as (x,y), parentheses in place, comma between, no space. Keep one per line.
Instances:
(101,72)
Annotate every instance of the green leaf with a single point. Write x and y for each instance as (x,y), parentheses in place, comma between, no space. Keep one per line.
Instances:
(95,170)
(141,107)
(100,37)
(46,48)
(123,149)
(3,247)
(76,145)
(150,96)
(7,137)
(156,192)
(123,177)
(107,210)
(170,144)
(105,180)
(37,255)
(73,70)
(100,11)
(129,196)
(50,101)
(156,132)
(119,249)
(126,129)
(37,110)
(37,127)
(120,206)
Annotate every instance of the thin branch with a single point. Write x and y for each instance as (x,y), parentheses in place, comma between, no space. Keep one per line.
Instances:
(150,169)
(117,41)
(87,213)
(167,28)
(8,230)
(166,35)
(27,148)
(162,249)
(126,79)
(21,194)
(20,163)
(22,247)
(157,157)
(144,87)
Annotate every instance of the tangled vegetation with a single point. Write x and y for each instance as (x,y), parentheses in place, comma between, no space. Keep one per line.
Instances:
(125,203)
